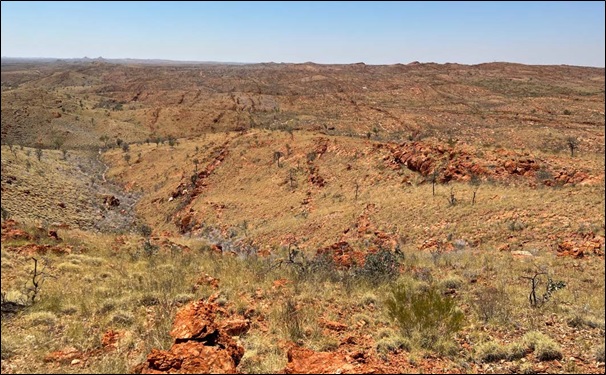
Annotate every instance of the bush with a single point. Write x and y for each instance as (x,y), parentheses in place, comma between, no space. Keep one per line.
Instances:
(424,314)
(8,347)
(492,303)
(123,318)
(452,282)
(491,352)
(42,317)
(515,351)
(380,267)
(599,353)
(391,344)
(368,299)
(545,348)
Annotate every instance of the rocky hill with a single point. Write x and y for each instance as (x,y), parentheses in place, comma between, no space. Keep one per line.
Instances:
(302,218)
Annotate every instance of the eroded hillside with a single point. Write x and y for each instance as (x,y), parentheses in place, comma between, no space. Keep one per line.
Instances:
(302,218)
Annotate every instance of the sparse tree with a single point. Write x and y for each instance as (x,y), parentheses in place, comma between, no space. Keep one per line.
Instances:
(196,162)
(58,142)
(452,200)
(13,150)
(194,179)
(104,139)
(39,154)
(172,141)
(127,158)
(434,178)
(475,183)
(145,230)
(64,151)
(292,179)
(125,147)
(5,213)
(119,142)
(311,156)
(277,156)
(573,144)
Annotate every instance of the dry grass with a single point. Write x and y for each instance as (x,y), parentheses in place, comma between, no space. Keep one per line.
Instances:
(250,196)
(110,280)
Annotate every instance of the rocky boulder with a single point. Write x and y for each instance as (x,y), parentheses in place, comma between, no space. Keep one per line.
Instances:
(202,343)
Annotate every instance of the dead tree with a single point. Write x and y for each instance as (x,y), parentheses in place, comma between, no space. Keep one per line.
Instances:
(277,156)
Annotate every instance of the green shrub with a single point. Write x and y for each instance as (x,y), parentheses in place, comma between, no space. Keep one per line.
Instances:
(424,314)
(379,267)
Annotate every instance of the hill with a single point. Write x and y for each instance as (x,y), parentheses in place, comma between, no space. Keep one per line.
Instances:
(302,218)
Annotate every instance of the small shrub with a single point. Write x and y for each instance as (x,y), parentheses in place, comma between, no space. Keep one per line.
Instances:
(545,348)
(491,352)
(392,344)
(108,305)
(548,350)
(424,313)
(69,267)
(293,321)
(515,350)
(184,298)
(8,347)
(380,267)
(150,299)
(385,332)
(452,282)
(580,322)
(527,368)
(122,318)
(492,303)
(5,214)
(368,299)
(599,353)
(357,318)
(516,225)
(150,249)
(69,310)
(42,317)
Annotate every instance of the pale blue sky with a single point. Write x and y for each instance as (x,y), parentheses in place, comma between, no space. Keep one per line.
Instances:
(323,32)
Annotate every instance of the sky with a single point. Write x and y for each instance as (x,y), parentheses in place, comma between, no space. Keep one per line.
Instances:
(542,33)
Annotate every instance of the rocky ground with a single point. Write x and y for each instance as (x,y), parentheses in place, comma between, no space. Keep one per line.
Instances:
(260,218)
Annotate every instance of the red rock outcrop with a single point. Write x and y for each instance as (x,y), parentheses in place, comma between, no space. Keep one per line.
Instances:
(202,345)
(33,249)
(10,232)
(343,255)
(460,163)
(578,248)
(306,361)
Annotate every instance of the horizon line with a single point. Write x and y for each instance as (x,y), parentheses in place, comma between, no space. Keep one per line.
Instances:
(414,62)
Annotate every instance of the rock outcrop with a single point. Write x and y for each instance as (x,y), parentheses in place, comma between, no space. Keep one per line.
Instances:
(202,343)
